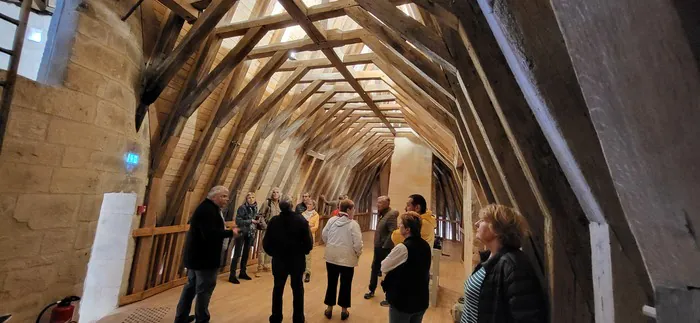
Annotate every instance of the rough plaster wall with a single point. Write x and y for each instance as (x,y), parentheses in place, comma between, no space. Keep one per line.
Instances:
(411,169)
(63,149)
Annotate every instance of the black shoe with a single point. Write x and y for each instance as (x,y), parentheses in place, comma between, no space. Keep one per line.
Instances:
(190,319)
(307,278)
(344,315)
(233,280)
(369,295)
(384,303)
(244,276)
(328,313)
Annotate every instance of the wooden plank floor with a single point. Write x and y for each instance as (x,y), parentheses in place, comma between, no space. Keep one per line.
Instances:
(251,300)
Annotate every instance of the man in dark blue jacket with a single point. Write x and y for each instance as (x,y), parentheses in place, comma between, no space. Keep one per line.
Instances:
(288,240)
(202,255)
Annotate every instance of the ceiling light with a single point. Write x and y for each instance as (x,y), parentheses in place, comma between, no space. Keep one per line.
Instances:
(292,56)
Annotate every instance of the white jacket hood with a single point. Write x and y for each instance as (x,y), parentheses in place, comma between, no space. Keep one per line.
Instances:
(343,239)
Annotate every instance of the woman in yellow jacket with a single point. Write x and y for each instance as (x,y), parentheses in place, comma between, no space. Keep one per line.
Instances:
(417,203)
(312,216)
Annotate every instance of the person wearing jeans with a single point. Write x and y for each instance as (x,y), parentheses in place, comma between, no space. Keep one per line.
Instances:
(245,220)
(382,242)
(202,255)
(343,239)
(407,269)
(288,240)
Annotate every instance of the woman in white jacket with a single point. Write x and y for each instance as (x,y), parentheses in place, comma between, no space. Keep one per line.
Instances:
(343,239)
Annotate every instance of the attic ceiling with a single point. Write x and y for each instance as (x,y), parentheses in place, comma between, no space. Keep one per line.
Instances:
(337,80)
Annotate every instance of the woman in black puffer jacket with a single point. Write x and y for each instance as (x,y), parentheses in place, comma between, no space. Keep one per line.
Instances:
(504,287)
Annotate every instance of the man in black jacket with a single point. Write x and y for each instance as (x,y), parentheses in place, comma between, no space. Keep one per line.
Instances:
(288,240)
(382,241)
(202,255)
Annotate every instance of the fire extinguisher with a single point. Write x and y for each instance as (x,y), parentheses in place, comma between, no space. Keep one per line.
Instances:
(63,312)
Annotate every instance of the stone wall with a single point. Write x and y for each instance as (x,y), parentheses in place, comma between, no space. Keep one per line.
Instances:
(64,148)
(411,171)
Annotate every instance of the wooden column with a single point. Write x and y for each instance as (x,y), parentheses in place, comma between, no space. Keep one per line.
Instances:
(553,93)
(637,65)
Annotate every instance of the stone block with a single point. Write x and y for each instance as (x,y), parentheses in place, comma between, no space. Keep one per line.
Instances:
(93,29)
(76,134)
(29,94)
(81,79)
(72,267)
(24,178)
(31,152)
(48,211)
(111,116)
(23,308)
(24,282)
(67,180)
(90,208)
(77,157)
(62,102)
(92,54)
(26,263)
(117,93)
(69,104)
(25,245)
(86,235)
(57,241)
(9,226)
(27,124)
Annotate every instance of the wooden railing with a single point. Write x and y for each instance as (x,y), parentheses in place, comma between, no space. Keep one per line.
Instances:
(165,269)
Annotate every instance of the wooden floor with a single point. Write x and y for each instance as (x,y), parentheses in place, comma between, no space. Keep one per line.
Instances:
(251,300)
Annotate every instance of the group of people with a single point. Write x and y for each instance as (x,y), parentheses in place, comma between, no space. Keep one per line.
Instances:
(502,288)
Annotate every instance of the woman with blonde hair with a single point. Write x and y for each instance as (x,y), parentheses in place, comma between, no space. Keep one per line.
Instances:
(269,209)
(504,287)
(312,217)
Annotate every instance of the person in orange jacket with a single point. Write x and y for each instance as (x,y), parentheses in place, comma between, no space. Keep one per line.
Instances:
(417,203)
(312,217)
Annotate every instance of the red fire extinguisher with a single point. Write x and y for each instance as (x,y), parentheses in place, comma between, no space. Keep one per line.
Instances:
(63,312)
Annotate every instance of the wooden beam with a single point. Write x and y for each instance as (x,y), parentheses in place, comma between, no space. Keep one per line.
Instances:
(330,128)
(159,76)
(441,13)
(297,11)
(263,75)
(317,144)
(306,113)
(323,11)
(318,63)
(281,90)
(394,41)
(339,77)
(334,38)
(182,9)
(357,99)
(396,66)
(410,29)
(537,184)
(184,109)
(290,108)
(333,57)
